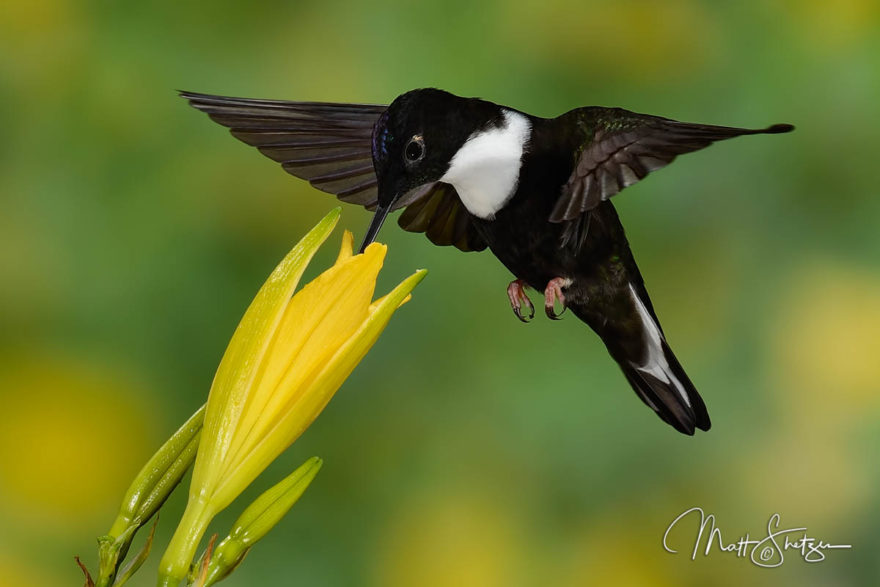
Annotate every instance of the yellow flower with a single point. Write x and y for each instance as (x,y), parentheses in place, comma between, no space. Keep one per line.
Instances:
(285,361)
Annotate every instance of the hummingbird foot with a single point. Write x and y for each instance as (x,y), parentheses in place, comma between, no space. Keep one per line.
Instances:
(552,293)
(516,293)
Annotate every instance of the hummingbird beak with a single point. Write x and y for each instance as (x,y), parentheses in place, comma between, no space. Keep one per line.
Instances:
(375,225)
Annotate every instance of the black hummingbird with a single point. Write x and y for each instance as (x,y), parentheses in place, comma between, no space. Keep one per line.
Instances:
(535,191)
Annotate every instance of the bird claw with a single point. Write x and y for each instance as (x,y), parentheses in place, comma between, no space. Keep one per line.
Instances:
(516,293)
(551,313)
(553,292)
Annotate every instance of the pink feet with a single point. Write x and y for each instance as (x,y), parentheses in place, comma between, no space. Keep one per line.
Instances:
(516,292)
(553,292)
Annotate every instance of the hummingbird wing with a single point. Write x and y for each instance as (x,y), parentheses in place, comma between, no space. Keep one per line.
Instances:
(622,147)
(330,145)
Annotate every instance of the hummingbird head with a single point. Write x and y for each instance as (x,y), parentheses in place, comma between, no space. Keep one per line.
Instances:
(414,141)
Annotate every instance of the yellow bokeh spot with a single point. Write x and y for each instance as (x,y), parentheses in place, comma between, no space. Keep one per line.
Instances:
(809,474)
(834,25)
(19,571)
(824,374)
(39,42)
(616,551)
(446,540)
(36,17)
(638,37)
(826,339)
(71,439)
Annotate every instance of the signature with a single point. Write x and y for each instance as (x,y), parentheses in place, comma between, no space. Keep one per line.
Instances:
(767,552)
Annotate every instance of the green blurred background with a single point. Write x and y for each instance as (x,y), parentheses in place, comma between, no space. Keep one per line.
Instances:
(467,449)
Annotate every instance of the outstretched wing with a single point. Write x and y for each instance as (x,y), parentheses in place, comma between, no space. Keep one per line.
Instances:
(622,147)
(330,145)
(327,144)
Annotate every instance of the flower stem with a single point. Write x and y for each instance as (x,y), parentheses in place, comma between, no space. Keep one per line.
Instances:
(182,548)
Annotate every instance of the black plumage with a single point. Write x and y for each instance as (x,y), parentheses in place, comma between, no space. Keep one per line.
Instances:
(556,226)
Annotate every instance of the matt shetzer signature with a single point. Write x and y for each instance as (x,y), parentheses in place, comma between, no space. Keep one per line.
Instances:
(767,552)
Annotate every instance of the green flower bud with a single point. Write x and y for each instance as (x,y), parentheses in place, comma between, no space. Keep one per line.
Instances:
(256,521)
(149,490)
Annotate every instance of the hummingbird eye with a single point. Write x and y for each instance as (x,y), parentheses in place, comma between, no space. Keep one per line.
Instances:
(414,150)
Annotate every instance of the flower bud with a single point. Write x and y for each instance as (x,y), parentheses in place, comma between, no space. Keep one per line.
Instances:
(259,517)
(149,490)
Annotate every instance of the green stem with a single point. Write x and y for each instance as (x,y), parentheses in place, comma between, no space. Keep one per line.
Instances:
(179,555)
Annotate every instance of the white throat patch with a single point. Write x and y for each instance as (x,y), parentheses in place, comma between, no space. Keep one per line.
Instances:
(485,170)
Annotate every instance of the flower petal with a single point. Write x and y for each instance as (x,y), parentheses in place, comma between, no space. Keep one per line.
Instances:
(347,248)
(318,392)
(318,321)
(244,355)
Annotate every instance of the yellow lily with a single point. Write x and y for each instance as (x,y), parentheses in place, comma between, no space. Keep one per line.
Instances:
(285,361)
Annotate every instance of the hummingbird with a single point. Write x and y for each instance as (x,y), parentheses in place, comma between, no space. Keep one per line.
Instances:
(535,191)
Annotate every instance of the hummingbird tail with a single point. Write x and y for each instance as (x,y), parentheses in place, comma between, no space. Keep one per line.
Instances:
(636,341)
(666,388)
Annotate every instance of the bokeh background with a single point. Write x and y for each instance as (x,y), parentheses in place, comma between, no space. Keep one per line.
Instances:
(468,449)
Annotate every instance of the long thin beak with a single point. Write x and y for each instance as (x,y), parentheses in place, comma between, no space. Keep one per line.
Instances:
(375,225)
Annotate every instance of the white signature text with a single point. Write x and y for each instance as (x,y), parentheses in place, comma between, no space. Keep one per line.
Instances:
(768,551)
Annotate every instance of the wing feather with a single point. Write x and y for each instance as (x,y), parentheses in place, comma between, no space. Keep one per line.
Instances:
(330,146)
(622,147)
(324,143)
(442,217)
